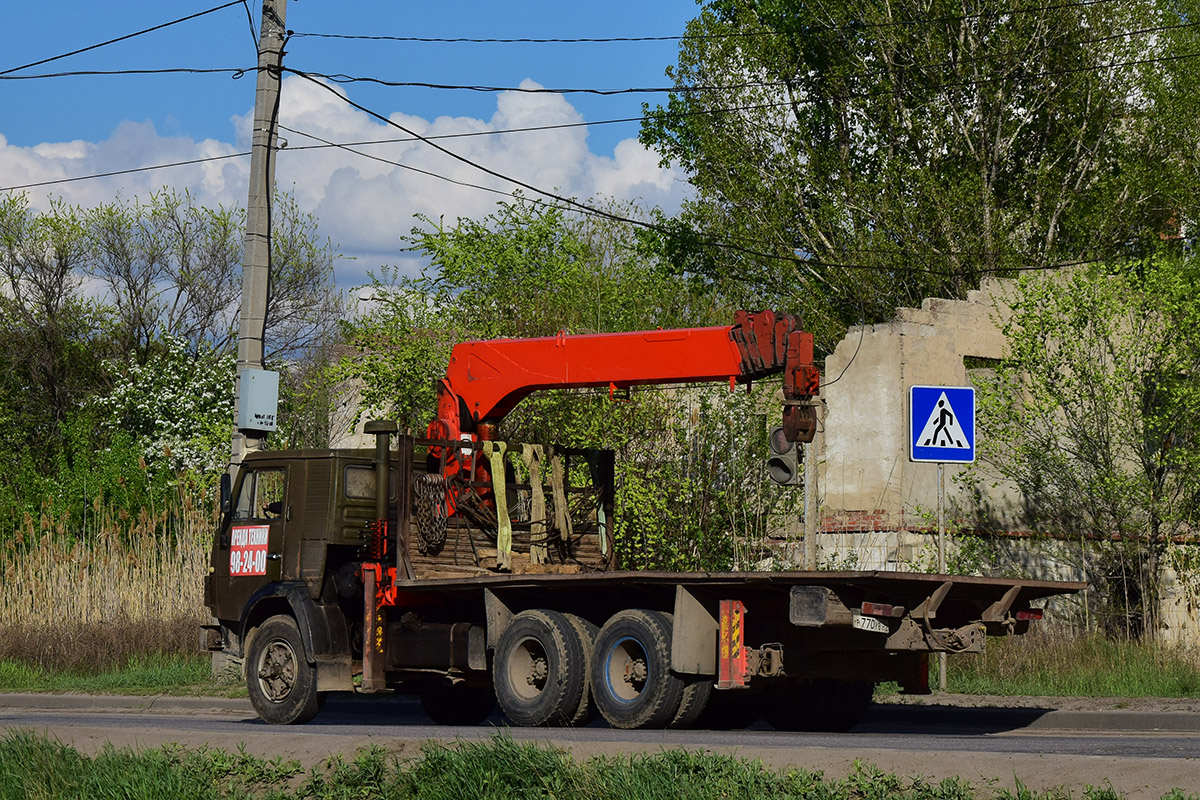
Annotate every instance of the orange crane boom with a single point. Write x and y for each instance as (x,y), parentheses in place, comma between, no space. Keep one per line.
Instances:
(486,379)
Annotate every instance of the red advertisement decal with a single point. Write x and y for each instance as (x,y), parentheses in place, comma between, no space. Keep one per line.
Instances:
(248,550)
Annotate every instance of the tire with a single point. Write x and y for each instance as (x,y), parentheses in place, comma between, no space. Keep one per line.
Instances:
(697,691)
(538,671)
(587,632)
(281,682)
(458,705)
(820,705)
(632,682)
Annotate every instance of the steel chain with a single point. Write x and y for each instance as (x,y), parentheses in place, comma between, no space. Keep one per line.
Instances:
(430,491)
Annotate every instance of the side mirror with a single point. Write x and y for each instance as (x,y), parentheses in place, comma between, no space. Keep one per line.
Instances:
(226,491)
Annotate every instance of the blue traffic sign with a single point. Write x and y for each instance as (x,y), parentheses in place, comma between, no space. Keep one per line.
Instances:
(941,421)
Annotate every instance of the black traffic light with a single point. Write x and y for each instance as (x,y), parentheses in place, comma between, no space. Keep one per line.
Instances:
(783,463)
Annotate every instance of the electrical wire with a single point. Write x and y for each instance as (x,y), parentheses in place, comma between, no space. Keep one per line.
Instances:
(124,38)
(396,140)
(250,22)
(519,40)
(408,167)
(130,171)
(235,72)
(576,205)
(569,204)
(342,78)
(862,329)
(855,25)
(807,262)
(348,79)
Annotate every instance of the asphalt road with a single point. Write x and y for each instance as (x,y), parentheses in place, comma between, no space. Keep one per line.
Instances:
(1142,754)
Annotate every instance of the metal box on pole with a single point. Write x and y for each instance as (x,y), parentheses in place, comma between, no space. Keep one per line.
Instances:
(259,394)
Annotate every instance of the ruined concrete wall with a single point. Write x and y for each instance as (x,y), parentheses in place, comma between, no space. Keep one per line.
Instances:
(866,481)
(878,509)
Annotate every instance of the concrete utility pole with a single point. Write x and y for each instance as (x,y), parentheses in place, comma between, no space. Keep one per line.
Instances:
(256,265)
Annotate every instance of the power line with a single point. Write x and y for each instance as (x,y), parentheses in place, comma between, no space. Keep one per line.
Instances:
(570,205)
(347,79)
(598,212)
(520,40)
(124,38)
(641,223)
(409,167)
(250,22)
(567,203)
(398,140)
(129,171)
(234,71)
(855,25)
(341,78)
(414,137)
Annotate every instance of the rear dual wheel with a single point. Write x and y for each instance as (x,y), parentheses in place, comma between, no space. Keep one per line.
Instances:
(540,671)
(632,682)
(559,669)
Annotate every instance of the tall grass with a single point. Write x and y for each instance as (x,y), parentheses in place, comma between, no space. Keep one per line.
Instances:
(131,587)
(1064,663)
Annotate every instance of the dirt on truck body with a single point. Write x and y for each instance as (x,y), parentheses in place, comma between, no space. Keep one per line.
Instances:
(471,571)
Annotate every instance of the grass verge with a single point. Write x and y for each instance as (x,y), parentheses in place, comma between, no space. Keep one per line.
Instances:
(1056,664)
(150,674)
(34,766)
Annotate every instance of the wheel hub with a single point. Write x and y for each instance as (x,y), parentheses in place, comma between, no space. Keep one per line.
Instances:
(538,671)
(277,671)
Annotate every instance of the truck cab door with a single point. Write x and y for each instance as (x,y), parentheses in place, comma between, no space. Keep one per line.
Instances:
(248,553)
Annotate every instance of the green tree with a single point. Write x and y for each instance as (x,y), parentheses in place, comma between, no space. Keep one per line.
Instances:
(874,155)
(691,493)
(177,407)
(1096,412)
(52,335)
(588,274)
(525,270)
(172,268)
(119,390)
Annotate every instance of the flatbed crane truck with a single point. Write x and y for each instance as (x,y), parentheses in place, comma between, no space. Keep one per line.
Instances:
(470,570)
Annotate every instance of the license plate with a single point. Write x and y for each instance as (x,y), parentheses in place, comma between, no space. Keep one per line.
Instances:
(869,624)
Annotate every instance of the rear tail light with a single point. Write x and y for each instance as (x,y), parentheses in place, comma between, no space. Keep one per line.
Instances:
(877,609)
(1031,613)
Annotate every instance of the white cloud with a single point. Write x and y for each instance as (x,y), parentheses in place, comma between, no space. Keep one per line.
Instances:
(364,206)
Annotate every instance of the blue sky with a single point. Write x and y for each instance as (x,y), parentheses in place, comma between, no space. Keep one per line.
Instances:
(55,128)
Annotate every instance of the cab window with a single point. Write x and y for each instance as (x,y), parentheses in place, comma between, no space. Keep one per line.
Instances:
(359,483)
(263,495)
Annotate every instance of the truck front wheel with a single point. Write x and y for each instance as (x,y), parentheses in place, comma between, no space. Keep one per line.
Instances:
(632,682)
(539,671)
(281,682)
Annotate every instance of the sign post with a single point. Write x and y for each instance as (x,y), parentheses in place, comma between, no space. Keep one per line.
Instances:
(941,421)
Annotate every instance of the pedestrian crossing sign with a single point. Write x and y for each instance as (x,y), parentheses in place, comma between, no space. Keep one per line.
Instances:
(942,424)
